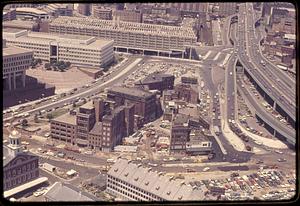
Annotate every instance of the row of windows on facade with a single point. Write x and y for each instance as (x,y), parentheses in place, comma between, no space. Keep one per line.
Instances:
(9,59)
(18,68)
(131,188)
(62,125)
(18,171)
(20,179)
(45,47)
(109,33)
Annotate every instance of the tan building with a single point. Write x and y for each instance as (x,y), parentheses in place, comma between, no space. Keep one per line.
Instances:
(129,35)
(129,15)
(64,128)
(84,9)
(15,62)
(100,12)
(79,50)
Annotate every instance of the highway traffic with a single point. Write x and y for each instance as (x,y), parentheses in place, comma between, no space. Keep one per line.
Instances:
(275,92)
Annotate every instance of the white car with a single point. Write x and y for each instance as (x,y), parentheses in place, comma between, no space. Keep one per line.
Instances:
(230,73)
(206,169)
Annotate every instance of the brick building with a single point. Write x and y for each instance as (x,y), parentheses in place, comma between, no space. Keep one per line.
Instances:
(18,167)
(157,81)
(85,121)
(144,101)
(64,128)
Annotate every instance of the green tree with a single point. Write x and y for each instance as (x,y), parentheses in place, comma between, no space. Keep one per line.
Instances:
(36,119)
(68,64)
(49,116)
(48,66)
(24,122)
(38,61)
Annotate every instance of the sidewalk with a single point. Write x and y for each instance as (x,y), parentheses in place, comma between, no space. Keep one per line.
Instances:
(234,140)
(265,141)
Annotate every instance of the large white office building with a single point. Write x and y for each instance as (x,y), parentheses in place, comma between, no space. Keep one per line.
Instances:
(15,61)
(79,50)
(128,35)
(130,181)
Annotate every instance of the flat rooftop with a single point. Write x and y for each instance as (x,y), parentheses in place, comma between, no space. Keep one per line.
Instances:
(155,77)
(31,10)
(66,118)
(122,26)
(79,40)
(88,105)
(132,91)
(17,22)
(12,50)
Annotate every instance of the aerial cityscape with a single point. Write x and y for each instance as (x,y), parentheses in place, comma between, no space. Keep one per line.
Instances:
(149,101)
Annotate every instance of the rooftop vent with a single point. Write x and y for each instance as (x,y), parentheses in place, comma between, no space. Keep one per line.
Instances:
(168,193)
(157,188)
(180,198)
(136,179)
(147,183)
(116,170)
(126,174)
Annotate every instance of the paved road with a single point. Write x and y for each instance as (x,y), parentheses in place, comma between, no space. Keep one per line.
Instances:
(118,76)
(284,96)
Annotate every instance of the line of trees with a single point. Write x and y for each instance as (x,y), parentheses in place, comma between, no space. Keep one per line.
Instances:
(57,65)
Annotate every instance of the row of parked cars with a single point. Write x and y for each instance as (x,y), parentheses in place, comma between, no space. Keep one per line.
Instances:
(262,180)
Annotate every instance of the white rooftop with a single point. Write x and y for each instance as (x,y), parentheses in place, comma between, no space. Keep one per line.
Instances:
(154,182)
(94,23)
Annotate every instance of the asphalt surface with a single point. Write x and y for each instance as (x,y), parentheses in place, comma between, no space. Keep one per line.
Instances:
(284,96)
(94,89)
(289,134)
(232,154)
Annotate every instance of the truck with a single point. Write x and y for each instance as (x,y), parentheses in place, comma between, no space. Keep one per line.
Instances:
(216,129)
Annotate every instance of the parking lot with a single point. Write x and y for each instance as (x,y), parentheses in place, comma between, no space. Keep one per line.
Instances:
(267,184)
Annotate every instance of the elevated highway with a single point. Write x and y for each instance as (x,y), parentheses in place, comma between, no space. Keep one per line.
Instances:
(270,85)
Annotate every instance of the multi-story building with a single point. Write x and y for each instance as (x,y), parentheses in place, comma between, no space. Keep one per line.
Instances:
(64,128)
(191,7)
(101,12)
(15,61)
(187,92)
(29,5)
(31,13)
(18,167)
(56,10)
(79,50)
(157,81)
(180,132)
(95,136)
(85,120)
(99,105)
(129,15)
(133,182)
(151,38)
(144,101)
(9,14)
(198,144)
(189,80)
(227,8)
(113,128)
(129,119)
(21,24)
(84,9)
